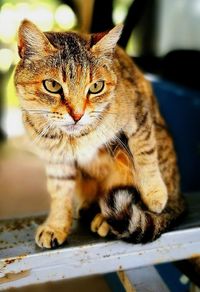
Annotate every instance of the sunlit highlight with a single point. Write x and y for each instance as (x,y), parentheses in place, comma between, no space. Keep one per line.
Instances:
(6,59)
(65,17)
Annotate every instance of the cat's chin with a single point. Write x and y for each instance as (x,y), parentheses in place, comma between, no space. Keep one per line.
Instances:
(74,130)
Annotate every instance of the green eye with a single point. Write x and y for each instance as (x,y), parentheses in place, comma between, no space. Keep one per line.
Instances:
(52,86)
(96,87)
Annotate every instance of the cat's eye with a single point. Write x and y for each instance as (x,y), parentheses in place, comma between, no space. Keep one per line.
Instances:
(96,87)
(52,86)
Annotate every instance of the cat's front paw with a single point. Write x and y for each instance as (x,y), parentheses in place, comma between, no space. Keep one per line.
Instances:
(156,199)
(49,237)
(100,225)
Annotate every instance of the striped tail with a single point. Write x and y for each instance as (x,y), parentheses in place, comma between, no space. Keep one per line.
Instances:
(130,220)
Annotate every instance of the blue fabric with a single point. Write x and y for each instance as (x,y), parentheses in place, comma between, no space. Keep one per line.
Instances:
(171,276)
(113,282)
(181,109)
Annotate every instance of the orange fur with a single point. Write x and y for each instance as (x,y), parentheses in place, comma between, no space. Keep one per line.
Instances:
(78,133)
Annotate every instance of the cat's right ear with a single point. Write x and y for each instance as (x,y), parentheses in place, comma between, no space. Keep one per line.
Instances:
(32,43)
(106,42)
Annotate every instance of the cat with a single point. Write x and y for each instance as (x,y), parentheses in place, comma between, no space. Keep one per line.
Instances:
(96,124)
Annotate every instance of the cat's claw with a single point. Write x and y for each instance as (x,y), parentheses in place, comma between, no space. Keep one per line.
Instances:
(100,225)
(49,237)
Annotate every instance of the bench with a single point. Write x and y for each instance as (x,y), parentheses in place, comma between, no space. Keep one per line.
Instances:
(23,263)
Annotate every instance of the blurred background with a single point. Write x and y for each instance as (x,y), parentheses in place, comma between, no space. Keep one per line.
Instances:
(162,36)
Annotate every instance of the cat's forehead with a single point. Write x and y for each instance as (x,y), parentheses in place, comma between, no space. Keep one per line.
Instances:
(74,59)
(73,55)
(70,45)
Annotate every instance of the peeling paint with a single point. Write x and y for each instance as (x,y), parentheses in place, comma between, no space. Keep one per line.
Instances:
(12,260)
(9,277)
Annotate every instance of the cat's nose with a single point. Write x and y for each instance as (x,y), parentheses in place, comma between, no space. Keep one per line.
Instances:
(76,116)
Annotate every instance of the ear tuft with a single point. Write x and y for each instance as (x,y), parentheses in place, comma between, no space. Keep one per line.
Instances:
(108,40)
(32,43)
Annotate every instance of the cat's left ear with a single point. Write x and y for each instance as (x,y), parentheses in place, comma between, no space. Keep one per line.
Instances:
(106,42)
(32,43)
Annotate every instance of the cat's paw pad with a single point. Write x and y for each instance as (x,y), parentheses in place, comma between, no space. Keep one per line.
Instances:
(100,225)
(49,237)
(156,200)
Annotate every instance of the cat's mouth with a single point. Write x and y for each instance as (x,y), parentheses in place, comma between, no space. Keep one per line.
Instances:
(73,129)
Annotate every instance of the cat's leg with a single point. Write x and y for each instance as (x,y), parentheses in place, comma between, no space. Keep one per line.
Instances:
(61,184)
(150,183)
(121,177)
(89,210)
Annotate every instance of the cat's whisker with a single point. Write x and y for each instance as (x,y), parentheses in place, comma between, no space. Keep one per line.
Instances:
(38,138)
(118,140)
(101,112)
(109,148)
(36,111)
(62,123)
(107,144)
(122,144)
(43,132)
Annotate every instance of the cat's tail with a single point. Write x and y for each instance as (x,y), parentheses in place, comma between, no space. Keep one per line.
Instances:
(129,218)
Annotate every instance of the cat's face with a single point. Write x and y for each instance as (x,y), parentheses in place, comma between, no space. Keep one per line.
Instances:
(67,81)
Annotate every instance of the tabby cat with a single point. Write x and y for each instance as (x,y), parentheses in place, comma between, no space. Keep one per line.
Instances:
(97,126)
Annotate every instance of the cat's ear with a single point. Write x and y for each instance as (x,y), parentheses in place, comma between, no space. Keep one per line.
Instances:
(106,42)
(32,43)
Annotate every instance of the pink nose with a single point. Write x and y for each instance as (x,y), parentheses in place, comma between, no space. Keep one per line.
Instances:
(76,116)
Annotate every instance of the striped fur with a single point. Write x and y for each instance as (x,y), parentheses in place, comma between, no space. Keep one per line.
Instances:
(111,147)
(131,221)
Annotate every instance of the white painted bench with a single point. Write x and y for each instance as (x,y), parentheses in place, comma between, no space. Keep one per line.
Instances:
(23,263)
